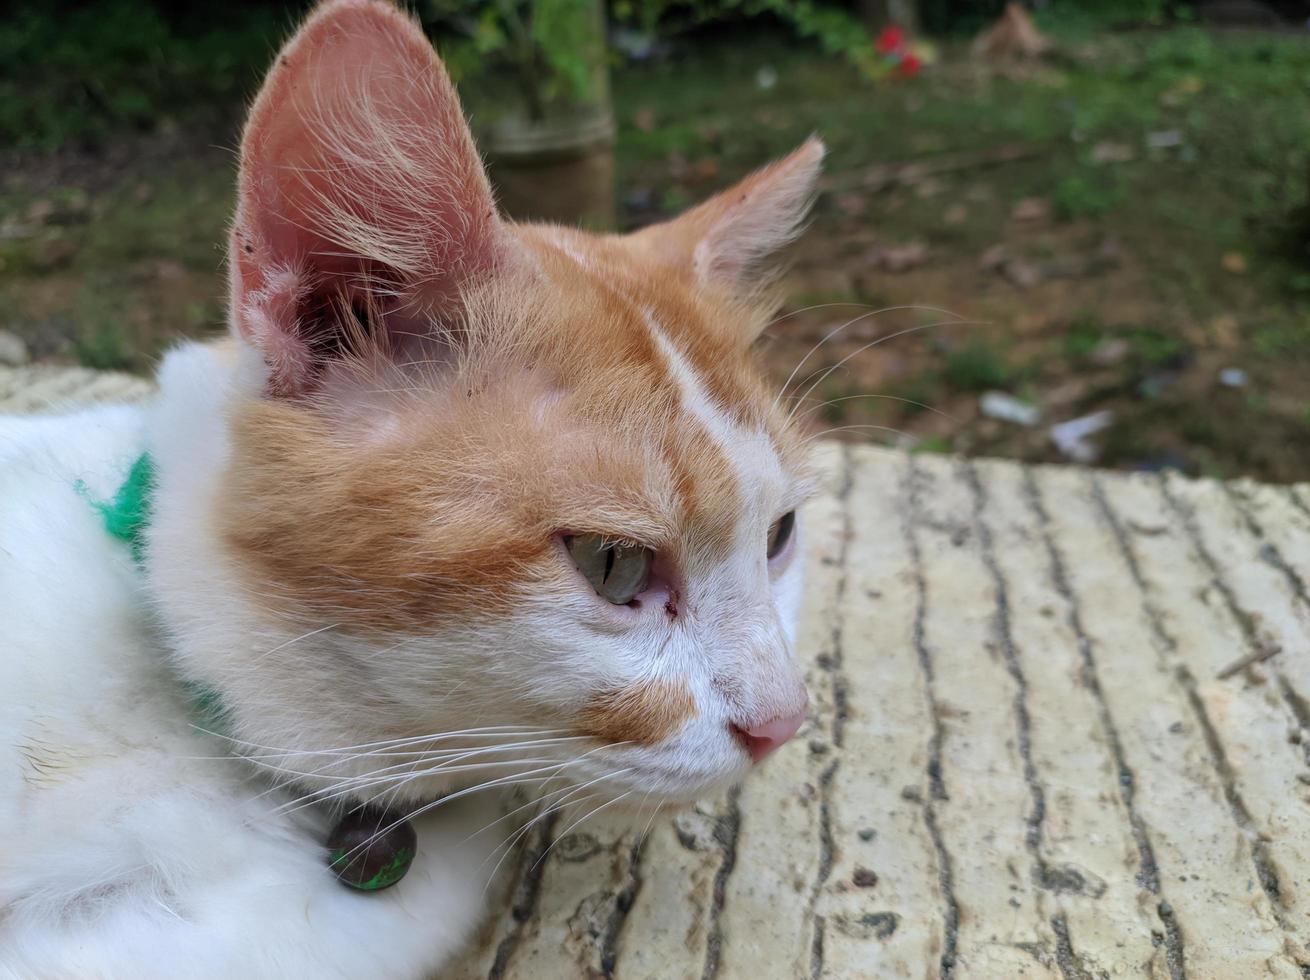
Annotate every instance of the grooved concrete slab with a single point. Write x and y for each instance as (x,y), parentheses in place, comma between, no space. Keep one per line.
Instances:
(1061,728)
(44,388)
(1023,760)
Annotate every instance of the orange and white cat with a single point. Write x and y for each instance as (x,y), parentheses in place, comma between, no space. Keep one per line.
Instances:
(462,505)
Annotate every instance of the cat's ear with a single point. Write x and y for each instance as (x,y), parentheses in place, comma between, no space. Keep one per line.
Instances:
(725,239)
(363,208)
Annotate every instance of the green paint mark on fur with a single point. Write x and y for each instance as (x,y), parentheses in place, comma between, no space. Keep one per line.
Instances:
(127,516)
(207,708)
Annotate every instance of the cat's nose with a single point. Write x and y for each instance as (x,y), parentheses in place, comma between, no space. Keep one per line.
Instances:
(760,740)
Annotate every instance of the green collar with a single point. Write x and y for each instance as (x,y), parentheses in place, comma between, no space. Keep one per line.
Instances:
(371,861)
(126,516)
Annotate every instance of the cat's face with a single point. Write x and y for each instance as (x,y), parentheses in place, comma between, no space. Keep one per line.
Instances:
(505,477)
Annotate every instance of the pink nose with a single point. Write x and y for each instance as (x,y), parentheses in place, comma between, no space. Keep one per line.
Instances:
(760,740)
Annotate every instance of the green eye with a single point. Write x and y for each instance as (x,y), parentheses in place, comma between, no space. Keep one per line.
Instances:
(617,570)
(780,533)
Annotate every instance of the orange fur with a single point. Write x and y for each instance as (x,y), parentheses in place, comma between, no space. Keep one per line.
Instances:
(455,511)
(643,714)
(502,384)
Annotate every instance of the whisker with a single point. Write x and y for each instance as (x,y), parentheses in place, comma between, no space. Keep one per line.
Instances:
(843,428)
(351,785)
(546,815)
(563,789)
(392,742)
(571,827)
(894,398)
(875,343)
(297,639)
(836,330)
(477,788)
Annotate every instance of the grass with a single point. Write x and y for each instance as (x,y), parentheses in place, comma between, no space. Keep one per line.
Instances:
(83,74)
(1180,146)
(1083,336)
(978,366)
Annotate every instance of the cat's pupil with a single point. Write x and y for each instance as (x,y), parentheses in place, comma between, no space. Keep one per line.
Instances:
(780,532)
(618,571)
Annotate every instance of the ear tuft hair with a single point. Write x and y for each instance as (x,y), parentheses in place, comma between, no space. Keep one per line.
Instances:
(723,240)
(359,188)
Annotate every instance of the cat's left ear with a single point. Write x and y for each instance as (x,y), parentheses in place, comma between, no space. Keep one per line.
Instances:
(364,215)
(724,240)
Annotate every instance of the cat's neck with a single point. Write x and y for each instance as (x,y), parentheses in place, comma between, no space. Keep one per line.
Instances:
(220,635)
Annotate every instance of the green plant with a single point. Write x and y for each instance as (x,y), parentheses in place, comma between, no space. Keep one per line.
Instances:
(1084,334)
(1153,346)
(977,366)
(82,72)
(934,444)
(104,347)
(833,28)
(554,49)
(1077,196)
(1281,339)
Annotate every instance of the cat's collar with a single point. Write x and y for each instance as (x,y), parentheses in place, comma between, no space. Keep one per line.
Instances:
(368,849)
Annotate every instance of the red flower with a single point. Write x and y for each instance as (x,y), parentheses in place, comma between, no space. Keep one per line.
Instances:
(891,39)
(910,66)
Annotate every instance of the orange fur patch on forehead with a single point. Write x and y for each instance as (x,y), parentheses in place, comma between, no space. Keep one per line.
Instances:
(452,513)
(558,413)
(643,714)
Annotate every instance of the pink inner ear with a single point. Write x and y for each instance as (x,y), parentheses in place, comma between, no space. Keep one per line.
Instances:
(360,187)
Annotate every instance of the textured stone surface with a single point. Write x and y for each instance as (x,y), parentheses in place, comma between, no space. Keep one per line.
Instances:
(1022,760)
(42,388)
(1034,749)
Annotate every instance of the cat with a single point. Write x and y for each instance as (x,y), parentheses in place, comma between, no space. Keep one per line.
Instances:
(460,506)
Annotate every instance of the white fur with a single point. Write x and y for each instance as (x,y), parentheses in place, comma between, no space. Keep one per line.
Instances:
(133,845)
(138,846)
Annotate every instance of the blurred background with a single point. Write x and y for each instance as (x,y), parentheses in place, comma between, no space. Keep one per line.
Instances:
(1061,231)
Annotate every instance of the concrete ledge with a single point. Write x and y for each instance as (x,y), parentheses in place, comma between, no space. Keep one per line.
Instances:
(1032,753)
(1061,728)
(42,388)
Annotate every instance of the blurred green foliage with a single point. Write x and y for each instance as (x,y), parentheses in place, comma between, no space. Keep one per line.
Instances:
(553,49)
(833,26)
(77,73)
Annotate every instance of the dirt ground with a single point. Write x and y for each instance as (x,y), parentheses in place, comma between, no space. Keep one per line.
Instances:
(1117,230)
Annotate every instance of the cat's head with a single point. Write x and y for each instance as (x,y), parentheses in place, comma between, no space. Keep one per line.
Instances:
(498,476)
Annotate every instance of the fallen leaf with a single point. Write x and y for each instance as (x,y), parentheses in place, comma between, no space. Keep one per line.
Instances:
(1224,331)
(899,258)
(1031,209)
(1110,351)
(1164,138)
(1022,273)
(926,187)
(1110,152)
(993,258)
(852,204)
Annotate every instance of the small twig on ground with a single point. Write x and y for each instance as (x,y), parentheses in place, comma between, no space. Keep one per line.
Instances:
(1259,656)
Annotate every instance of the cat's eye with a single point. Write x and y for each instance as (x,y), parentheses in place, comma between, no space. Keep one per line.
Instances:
(619,571)
(780,533)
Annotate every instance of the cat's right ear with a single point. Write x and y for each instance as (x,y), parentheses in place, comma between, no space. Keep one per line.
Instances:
(363,208)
